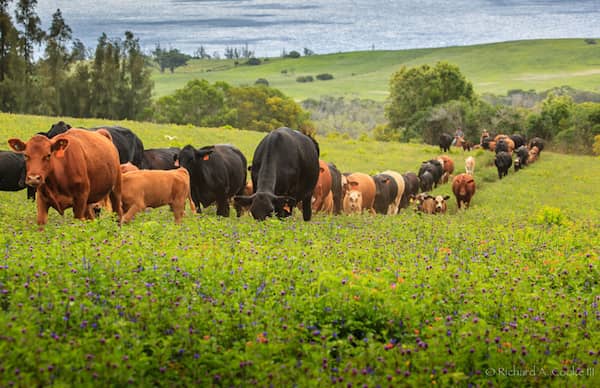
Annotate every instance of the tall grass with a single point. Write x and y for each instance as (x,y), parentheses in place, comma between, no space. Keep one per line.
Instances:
(504,293)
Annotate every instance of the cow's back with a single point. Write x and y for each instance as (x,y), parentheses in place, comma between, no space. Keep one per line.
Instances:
(286,162)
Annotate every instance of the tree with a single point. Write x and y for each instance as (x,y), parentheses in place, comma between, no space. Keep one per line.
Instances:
(417,89)
(32,33)
(171,59)
(136,83)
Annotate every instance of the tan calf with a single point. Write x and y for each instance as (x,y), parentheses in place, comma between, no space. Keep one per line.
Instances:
(360,189)
(155,188)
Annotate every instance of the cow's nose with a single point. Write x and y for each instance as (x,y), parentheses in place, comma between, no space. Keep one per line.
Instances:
(33,180)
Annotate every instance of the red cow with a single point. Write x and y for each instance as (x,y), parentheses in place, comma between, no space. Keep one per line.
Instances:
(322,188)
(74,169)
(447,166)
(463,187)
(360,188)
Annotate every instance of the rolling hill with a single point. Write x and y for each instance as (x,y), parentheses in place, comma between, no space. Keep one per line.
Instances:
(492,68)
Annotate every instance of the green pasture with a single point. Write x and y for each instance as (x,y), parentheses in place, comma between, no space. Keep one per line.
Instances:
(503,294)
(492,68)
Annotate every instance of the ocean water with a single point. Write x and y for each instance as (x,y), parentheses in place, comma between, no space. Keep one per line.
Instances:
(268,27)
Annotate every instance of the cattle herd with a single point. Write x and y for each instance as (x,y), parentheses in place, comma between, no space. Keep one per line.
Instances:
(108,167)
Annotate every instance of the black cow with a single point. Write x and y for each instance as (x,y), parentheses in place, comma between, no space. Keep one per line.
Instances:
(411,188)
(426,181)
(485,142)
(503,161)
(12,173)
(285,169)
(501,146)
(445,142)
(386,190)
(435,168)
(522,155)
(537,142)
(128,144)
(519,140)
(217,173)
(336,188)
(160,158)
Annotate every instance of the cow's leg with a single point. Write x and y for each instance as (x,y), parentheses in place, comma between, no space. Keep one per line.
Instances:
(42,212)
(115,201)
(223,207)
(131,212)
(80,207)
(178,207)
(307,208)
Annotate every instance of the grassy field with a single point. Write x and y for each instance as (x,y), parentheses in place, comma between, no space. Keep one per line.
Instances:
(504,294)
(493,68)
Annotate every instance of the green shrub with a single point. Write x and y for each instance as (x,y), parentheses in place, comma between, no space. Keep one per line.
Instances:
(253,61)
(324,76)
(305,78)
(261,81)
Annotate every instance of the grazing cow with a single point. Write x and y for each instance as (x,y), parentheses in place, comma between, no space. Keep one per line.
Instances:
(425,203)
(465,144)
(434,167)
(521,159)
(503,161)
(426,181)
(327,207)
(386,192)
(75,169)
(534,153)
(445,142)
(518,140)
(322,188)
(463,187)
(360,188)
(160,158)
(470,165)
(285,170)
(411,188)
(128,144)
(336,188)
(155,188)
(217,173)
(440,203)
(12,173)
(537,142)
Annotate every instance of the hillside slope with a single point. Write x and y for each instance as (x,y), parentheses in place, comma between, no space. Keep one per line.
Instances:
(493,68)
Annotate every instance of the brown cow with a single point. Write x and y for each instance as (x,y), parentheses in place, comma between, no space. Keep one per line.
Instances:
(425,203)
(360,187)
(127,167)
(75,169)
(509,142)
(322,188)
(463,187)
(440,203)
(448,167)
(155,188)
(327,206)
(533,154)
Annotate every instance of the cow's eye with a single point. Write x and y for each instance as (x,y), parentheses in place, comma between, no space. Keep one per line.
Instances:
(47,157)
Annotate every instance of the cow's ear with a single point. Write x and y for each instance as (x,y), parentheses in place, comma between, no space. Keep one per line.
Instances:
(446,197)
(243,200)
(250,168)
(280,201)
(352,184)
(204,154)
(321,170)
(59,147)
(17,145)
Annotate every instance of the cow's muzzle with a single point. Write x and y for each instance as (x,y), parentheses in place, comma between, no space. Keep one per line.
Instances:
(33,180)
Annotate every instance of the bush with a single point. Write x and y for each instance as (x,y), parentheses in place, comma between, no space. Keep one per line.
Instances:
(324,76)
(305,78)
(590,41)
(261,81)
(293,54)
(253,61)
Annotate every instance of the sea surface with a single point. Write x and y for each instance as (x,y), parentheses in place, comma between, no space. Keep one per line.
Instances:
(268,28)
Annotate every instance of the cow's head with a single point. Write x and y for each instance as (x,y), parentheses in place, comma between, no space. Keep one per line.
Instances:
(353,201)
(57,129)
(188,156)
(39,152)
(440,203)
(264,204)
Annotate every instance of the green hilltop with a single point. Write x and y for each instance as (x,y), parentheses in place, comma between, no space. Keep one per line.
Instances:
(492,68)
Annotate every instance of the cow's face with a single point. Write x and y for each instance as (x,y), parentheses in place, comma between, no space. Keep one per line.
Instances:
(263,205)
(440,203)
(353,201)
(186,157)
(39,152)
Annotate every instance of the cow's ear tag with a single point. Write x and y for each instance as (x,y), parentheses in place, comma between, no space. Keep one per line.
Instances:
(60,153)
(205,157)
